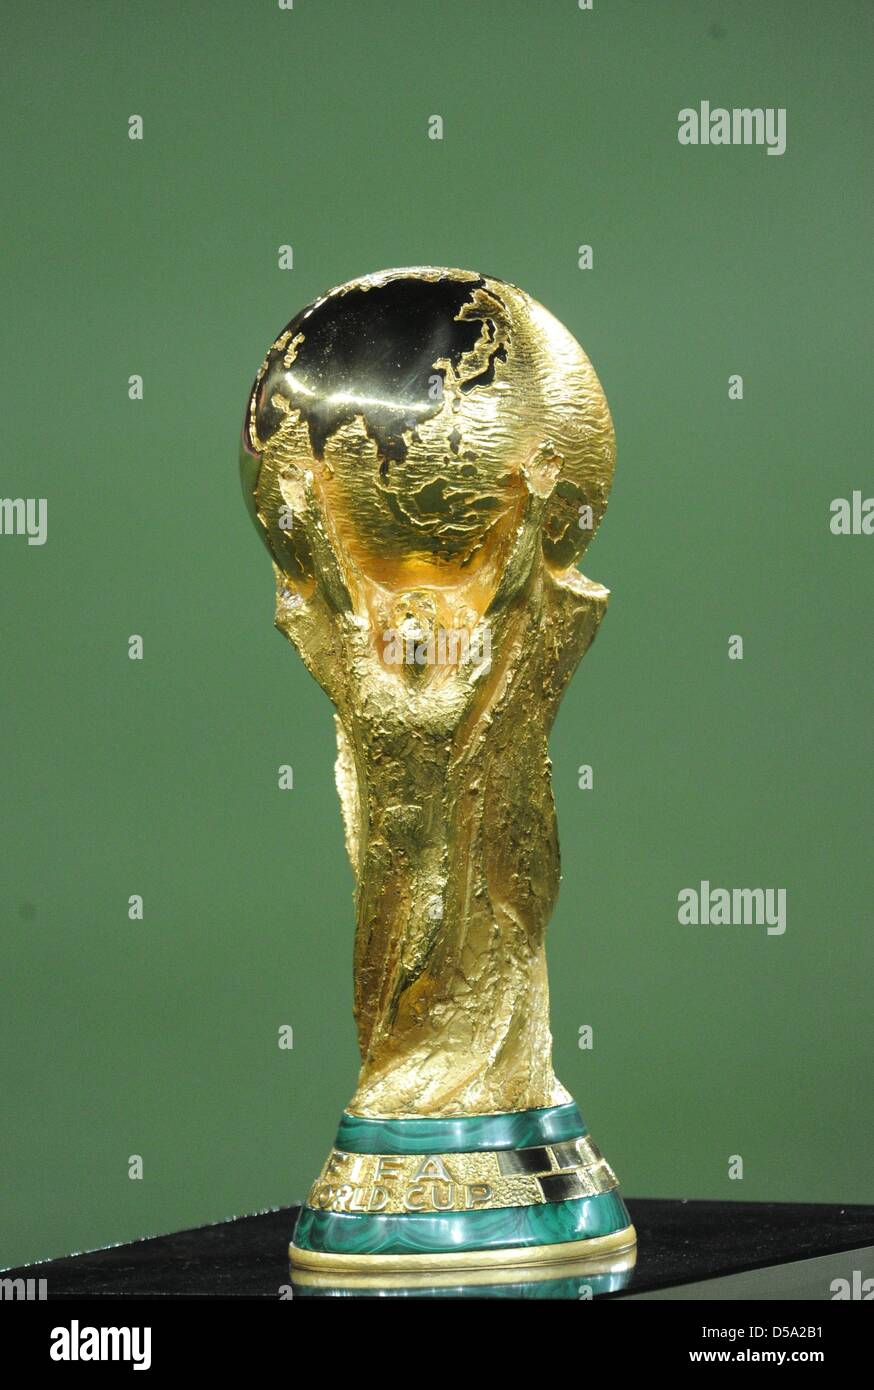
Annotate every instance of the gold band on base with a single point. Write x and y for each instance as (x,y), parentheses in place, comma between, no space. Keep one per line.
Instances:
(565,1258)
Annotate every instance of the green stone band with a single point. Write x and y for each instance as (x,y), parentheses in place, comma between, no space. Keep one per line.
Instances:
(497,1229)
(513,1129)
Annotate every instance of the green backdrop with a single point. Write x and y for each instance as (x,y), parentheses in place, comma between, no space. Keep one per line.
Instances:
(159,257)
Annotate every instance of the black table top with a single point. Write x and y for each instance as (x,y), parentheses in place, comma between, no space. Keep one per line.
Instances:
(679,1242)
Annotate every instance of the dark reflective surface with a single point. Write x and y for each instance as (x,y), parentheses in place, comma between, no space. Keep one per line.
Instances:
(678,1243)
(372,352)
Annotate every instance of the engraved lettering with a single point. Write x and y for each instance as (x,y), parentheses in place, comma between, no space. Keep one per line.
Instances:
(476,1193)
(389,1166)
(432,1167)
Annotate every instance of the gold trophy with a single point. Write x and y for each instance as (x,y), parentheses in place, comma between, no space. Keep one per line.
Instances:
(426,453)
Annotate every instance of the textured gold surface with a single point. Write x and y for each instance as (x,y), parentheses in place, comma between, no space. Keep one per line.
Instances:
(442,769)
(389,1184)
(565,1258)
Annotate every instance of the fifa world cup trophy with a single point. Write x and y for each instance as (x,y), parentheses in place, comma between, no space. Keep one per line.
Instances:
(426,453)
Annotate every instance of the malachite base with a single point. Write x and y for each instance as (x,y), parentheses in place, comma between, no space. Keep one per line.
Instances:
(416,1197)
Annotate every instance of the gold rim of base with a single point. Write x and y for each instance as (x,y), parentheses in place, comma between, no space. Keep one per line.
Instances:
(594,1265)
(307,1263)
